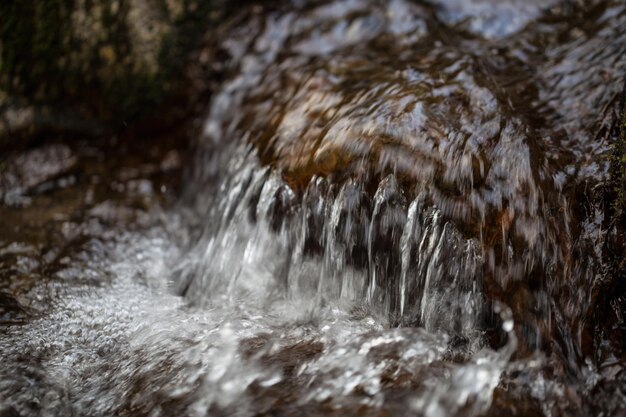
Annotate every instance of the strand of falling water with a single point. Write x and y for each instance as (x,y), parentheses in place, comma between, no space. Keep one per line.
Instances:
(387,225)
(408,236)
(370,255)
(431,239)
(340,236)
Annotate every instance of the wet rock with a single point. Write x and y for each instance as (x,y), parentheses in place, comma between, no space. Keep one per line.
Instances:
(9,411)
(26,171)
(11,312)
(611,310)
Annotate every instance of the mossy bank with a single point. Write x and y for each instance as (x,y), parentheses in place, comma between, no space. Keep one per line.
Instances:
(93,65)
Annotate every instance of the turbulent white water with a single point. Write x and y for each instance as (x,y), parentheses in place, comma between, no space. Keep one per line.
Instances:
(132,345)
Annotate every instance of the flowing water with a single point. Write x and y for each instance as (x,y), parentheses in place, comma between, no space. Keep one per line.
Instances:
(393,208)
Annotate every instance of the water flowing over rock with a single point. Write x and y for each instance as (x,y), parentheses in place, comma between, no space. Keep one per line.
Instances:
(393,208)
(500,137)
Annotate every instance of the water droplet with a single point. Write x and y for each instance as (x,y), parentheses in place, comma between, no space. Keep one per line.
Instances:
(507,326)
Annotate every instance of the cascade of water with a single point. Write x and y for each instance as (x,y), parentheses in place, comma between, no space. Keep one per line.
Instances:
(353,91)
(409,264)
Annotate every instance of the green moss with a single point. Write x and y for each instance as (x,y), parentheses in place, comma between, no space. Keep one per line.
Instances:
(33,35)
(188,27)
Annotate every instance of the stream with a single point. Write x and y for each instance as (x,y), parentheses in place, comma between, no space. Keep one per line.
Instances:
(389,209)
